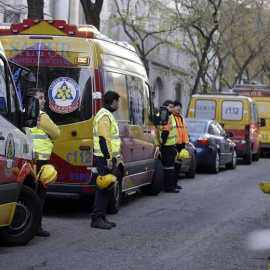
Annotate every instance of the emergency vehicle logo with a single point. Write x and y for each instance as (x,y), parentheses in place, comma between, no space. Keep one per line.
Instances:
(64,95)
(262,109)
(9,154)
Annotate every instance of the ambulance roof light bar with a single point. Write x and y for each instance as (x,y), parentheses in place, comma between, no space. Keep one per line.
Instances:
(83,30)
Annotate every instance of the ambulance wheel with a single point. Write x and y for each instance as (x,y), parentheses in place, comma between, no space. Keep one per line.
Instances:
(256,157)
(157,182)
(26,220)
(115,198)
(248,158)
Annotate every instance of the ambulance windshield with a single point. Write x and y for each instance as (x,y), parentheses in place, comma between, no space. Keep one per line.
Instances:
(68,92)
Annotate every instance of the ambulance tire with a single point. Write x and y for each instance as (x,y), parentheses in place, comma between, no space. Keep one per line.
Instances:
(115,198)
(256,156)
(157,183)
(248,158)
(26,220)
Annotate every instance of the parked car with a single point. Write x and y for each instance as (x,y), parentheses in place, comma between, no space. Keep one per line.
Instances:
(189,165)
(214,148)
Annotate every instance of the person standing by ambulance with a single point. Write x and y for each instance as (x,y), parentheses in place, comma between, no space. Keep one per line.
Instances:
(43,136)
(107,145)
(168,139)
(182,139)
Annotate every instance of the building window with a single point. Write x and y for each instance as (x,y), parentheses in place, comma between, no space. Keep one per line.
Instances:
(11,16)
(159,94)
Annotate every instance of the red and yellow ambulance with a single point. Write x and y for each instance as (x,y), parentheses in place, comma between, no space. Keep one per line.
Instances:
(76,65)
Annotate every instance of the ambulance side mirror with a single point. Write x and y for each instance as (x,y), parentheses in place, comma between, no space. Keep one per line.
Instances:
(31,112)
(162,118)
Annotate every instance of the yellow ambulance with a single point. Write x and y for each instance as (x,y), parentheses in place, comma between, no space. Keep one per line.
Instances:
(76,65)
(236,113)
(261,94)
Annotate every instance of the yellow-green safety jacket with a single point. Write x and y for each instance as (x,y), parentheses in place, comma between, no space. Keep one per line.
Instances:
(115,137)
(42,142)
(172,137)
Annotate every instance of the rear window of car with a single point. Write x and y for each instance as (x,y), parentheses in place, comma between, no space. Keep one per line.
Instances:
(205,109)
(232,110)
(197,127)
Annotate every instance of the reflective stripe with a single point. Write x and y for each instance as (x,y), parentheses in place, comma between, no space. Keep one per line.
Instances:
(40,137)
(168,168)
(44,156)
(114,154)
(171,137)
(115,137)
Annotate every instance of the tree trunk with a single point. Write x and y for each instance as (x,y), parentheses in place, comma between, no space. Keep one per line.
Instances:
(92,12)
(35,9)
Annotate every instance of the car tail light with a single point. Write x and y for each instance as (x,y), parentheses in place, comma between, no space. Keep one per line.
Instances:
(203,141)
(247,131)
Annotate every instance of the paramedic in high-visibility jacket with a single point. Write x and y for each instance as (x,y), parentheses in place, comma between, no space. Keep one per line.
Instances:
(43,136)
(106,151)
(182,138)
(168,139)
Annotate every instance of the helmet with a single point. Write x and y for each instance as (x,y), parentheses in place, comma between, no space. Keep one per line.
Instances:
(47,175)
(182,155)
(106,182)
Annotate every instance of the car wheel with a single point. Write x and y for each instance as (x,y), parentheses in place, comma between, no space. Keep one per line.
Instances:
(215,168)
(248,158)
(192,168)
(256,157)
(157,183)
(115,198)
(26,220)
(232,164)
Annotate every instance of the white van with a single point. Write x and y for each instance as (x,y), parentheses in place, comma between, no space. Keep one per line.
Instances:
(20,211)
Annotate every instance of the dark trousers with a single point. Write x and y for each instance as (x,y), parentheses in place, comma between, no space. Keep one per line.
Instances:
(101,197)
(178,164)
(41,191)
(168,155)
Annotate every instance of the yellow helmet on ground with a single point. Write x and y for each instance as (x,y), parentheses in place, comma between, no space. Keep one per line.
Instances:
(47,175)
(265,187)
(182,155)
(106,182)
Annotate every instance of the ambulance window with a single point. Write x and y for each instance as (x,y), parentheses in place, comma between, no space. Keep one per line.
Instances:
(117,82)
(148,103)
(3,89)
(205,109)
(68,92)
(136,100)
(232,110)
(254,114)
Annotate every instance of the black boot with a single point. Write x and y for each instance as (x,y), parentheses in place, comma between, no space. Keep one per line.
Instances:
(98,222)
(42,232)
(108,222)
(176,186)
